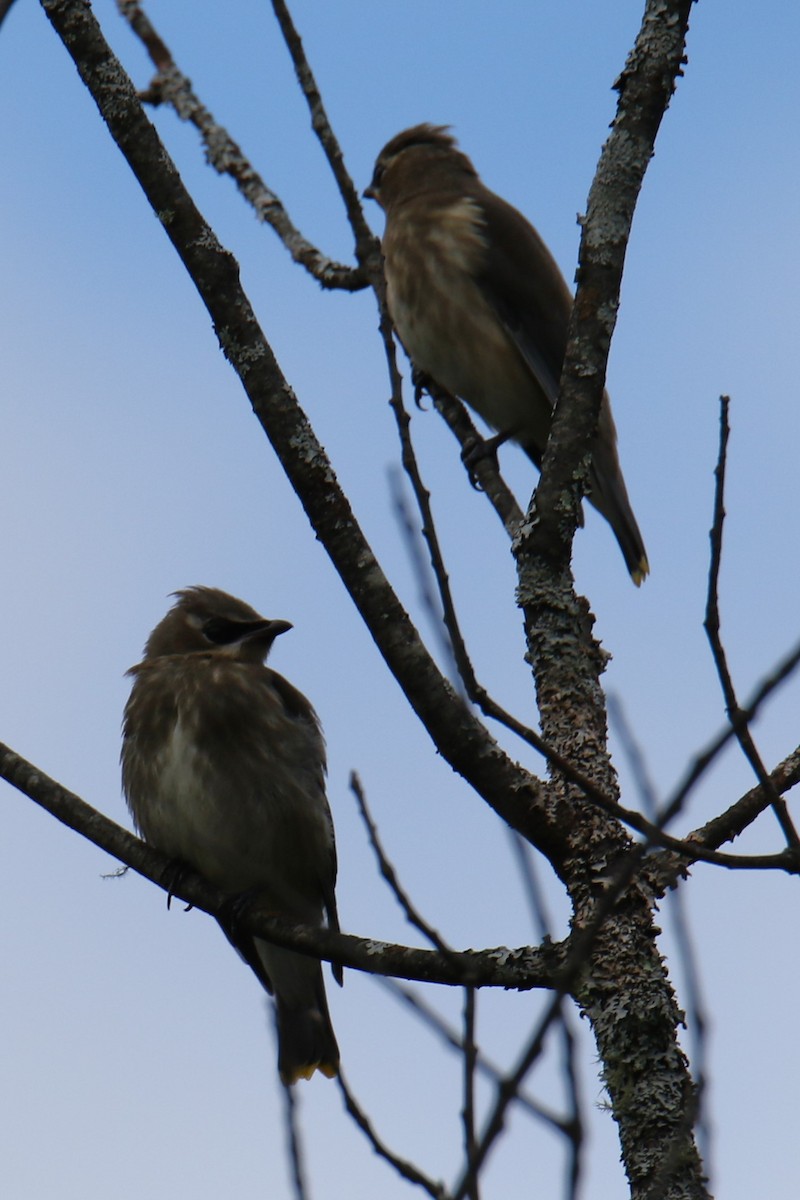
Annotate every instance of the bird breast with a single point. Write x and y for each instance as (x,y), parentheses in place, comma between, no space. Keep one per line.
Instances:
(433,262)
(232,783)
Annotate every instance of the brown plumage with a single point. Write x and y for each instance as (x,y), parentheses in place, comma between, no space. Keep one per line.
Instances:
(223,767)
(482,309)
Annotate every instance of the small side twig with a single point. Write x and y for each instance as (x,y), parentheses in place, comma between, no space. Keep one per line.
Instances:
(702,761)
(403,1167)
(506,1093)
(485,470)
(572,1125)
(712,627)
(412,914)
(294,1144)
(450,1037)
(367,251)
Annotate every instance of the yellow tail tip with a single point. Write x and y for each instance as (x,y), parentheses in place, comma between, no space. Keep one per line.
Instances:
(640,571)
(329,1069)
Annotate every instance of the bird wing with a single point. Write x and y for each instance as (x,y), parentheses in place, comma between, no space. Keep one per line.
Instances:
(298,707)
(526,290)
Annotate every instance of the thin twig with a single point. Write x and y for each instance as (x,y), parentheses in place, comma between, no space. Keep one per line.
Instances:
(472,1187)
(712,627)
(367,250)
(572,1125)
(412,913)
(704,759)
(422,572)
(507,1093)
(294,1143)
(171,86)
(408,1170)
(485,470)
(451,1038)
(665,868)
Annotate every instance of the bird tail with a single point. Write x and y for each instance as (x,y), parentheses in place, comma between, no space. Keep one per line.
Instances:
(306,1041)
(609,496)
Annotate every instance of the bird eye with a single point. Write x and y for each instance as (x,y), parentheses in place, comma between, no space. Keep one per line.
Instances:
(222,632)
(377,175)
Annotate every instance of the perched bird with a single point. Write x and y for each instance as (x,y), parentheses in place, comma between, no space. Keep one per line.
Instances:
(482,308)
(223,768)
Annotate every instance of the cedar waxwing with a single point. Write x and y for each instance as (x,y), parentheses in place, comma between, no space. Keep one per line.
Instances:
(482,308)
(223,768)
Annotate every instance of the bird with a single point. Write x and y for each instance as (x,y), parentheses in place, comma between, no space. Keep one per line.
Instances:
(482,309)
(223,769)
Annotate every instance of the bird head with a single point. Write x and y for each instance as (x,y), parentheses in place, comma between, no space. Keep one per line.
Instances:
(205,619)
(422,159)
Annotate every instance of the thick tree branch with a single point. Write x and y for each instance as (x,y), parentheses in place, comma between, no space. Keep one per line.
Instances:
(627,995)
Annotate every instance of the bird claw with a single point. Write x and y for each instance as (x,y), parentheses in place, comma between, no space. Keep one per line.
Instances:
(476,449)
(421,384)
(174,875)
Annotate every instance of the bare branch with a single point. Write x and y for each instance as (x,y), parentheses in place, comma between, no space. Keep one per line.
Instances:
(525,967)
(404,1168)
(367,250)
(171,86)
(294,1145)
(471,1174)
(702,761)
(665,868)
(645,88)
(506,1094)
(485,470)
(572,1125)
(436,1022)
(736,715)
(412,914)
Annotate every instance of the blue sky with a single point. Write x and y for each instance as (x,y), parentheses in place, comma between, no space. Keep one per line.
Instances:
(139,1061)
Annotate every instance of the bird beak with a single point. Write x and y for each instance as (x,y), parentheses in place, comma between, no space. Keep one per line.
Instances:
(369,193)
(266,629)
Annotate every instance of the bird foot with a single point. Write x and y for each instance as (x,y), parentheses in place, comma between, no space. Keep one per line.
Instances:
(236,908)
(173,877)
(421,383)
(476,449)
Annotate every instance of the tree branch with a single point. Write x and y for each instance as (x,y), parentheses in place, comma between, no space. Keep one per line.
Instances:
(526,967)
(171,86)
(736,715)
